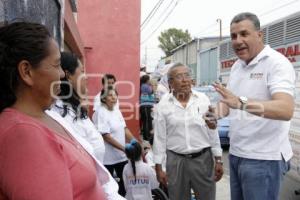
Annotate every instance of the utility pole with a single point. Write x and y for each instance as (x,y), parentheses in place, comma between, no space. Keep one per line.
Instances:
(187,54)
(220,23)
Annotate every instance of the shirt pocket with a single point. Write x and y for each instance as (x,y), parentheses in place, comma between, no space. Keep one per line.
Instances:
(257,84)
(197,119)
(197,113)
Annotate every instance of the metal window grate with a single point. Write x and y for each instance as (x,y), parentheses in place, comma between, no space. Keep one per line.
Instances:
(230,50)
(224,50)
(282,32)
(293,29)
(265,35)
(276,33)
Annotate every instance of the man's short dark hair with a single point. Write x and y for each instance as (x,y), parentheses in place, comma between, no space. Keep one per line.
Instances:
(247,16)
(106,77)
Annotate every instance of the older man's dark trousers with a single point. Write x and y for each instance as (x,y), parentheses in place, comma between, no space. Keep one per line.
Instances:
(185,173)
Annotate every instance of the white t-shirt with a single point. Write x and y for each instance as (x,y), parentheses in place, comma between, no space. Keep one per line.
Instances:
(113,123)
(97,102)
(145,181)
(251,136)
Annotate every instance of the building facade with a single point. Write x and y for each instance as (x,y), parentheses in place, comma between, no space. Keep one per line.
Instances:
(110,31)
(188,54)
(45,12)
(105,35)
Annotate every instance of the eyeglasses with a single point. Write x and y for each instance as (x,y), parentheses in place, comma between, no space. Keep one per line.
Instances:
(180,77)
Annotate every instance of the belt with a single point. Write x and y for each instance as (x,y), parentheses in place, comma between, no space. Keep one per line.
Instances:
(193,155)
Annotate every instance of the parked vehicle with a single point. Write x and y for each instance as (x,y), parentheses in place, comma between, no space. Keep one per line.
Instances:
(223,124)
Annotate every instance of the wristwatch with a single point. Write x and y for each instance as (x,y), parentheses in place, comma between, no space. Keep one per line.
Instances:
(244,101)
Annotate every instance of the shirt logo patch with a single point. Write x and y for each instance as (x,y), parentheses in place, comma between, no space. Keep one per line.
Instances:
(256,76)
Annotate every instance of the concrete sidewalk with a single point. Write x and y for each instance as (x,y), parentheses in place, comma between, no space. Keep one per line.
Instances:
(223,188)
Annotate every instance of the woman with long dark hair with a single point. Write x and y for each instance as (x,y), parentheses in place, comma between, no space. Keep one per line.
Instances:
(70,104)
(39,159)
(71,113)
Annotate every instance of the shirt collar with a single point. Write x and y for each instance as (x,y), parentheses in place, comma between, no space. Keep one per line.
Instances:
(172,97)
(60,104)
(265,52)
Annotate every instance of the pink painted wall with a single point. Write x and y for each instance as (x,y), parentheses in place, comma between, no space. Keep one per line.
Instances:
(110,30)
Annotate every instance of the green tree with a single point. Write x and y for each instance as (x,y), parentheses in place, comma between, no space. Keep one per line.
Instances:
(172,38)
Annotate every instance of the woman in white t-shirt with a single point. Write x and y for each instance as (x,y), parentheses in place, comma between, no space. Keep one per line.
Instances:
(139,177)
(111,124)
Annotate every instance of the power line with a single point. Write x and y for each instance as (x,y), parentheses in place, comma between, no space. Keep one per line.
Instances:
(206,28)
(279,7)
(151,34)
(152,13)
(263,14)
(163,12)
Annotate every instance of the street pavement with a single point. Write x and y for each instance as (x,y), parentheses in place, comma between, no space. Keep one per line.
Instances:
(223,189)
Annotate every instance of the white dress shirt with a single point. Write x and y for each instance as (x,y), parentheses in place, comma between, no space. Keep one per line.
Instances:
(110,186)
(183,130)
(252,136)
(145,181)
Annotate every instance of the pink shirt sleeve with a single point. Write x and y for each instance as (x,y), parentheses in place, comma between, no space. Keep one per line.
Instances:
(32,165)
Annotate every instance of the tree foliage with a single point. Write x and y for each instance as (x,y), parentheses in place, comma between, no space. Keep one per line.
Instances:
(172,38)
